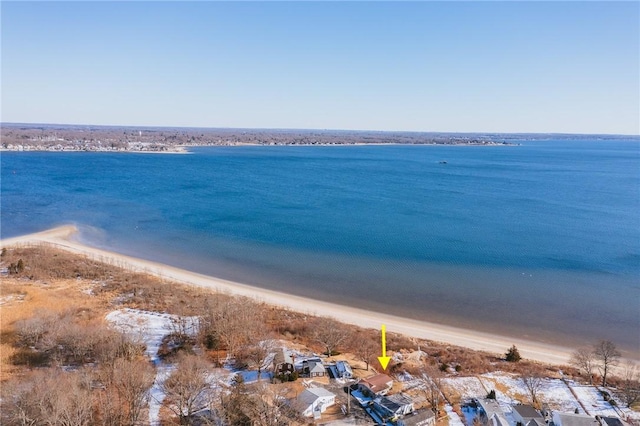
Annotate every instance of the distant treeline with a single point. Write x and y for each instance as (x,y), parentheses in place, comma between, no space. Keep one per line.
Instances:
(124,138)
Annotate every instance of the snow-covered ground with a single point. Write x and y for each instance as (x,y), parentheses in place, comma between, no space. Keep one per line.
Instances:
(466,388)
(454,418)
(151,328)
(592,401)
(510,390)
(157,395)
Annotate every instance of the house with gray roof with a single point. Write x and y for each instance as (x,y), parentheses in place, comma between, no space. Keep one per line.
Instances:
(418,418)
(523,414)
(490,412)
(315,368)
(611,421)
(566,419)
(312,402)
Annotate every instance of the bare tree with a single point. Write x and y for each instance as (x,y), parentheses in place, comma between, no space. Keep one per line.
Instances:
(132,381)
(584,359)
(50,397)
(330,333)
(629,391)
(432,386)
(269,406)
(257,354)
(258,405)
(608,355)
(236,322)
(186,388)
(108,408)
(533,382)
(236,404)
(363,346)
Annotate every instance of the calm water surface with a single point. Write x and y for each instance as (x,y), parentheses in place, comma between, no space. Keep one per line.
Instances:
(540,240)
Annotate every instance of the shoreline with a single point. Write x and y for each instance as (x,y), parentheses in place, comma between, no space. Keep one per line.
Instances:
(62,238)
(127,151)
(183,149)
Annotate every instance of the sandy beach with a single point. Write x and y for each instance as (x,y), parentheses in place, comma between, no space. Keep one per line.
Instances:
(62,237)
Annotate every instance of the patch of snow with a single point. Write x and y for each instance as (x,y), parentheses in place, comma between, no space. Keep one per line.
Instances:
(593,402)
(150,327)
(404,377)
(250,376)
(157,393)
(515,393)
(454,418)
(467,388)
(558,396)
(11,298)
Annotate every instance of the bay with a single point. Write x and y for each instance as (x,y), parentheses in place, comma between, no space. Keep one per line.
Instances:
(540,240)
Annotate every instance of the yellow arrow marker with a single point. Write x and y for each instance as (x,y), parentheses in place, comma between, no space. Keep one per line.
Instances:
(384,359)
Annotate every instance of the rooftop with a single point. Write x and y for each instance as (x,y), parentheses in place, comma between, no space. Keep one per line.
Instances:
(527,411)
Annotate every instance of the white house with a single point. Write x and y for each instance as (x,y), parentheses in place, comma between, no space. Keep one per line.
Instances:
(316,368)
(314,401)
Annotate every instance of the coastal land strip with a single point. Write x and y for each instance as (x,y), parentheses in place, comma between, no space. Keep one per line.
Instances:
(69,138)
(63,238)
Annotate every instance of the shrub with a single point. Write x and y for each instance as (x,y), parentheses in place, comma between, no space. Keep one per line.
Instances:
(513,355)
(175,342)
(491,394)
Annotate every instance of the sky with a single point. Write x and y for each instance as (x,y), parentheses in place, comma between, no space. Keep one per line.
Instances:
(545,67)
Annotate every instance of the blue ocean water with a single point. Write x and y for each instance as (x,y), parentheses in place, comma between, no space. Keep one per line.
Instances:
(540,240)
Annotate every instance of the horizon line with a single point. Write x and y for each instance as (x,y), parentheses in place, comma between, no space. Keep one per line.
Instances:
(3,123)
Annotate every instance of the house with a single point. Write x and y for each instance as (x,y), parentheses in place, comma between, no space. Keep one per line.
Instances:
(283,363)
(565,419)
(523,414)
(498,419)
(611,421)
(418,418)
(313,367)
(314,401)
(339,370)
(394,405)
(536,422)
(379,384)
(490,412)
(344,370)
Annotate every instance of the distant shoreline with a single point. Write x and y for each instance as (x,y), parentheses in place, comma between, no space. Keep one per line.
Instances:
(182,149)
(81,138)
(61,237)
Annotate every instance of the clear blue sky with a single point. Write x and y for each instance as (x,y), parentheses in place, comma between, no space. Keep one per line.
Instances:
(424,66)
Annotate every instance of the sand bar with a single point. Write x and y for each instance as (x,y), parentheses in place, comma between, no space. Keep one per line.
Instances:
(62,237)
